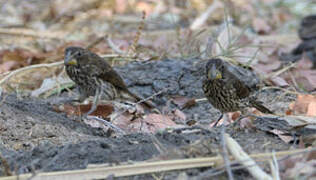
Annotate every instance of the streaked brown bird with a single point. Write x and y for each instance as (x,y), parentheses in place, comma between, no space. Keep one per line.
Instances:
(95,77)
(231,88)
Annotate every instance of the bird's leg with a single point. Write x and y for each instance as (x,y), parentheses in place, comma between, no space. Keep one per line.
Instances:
(219,118)
(95,102)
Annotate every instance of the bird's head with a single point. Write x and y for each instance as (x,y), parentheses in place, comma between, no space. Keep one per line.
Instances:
(73,55)
(214,69)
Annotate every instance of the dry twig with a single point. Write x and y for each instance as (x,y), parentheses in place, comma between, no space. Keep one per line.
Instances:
(274,167)
(103,171)
(277,73)
(15,72)
(32,33)
(97,41)
(109,124)
(245,160)
(114,47)
(133,47)
(225,153)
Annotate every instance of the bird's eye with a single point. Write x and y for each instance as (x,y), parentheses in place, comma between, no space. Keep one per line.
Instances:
(79,53)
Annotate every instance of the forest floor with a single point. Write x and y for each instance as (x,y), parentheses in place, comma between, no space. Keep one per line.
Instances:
(41,132)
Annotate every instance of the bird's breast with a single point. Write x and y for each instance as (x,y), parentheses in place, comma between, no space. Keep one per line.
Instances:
(221,96)
(88,83)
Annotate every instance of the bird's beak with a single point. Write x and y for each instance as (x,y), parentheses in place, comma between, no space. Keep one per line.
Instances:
(214,73)
(69,60)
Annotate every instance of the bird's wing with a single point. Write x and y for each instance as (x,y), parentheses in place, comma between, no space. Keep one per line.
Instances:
(241,79)
(247,76)
(104,71)
(242,90)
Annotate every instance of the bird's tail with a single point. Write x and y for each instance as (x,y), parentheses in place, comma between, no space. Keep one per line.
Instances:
(260,107)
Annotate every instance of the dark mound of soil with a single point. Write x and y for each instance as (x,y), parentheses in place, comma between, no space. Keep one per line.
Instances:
(34,137)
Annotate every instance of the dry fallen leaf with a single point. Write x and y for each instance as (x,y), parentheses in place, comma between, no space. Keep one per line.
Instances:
(310,76)
(235,115)
(311,109)
(151,123)
(144,6)
(102,110)
(8,65)
(285,138)
(95,123)
(269,65)
(183,102)
(122,120)
(304,104)
(49,84)
(22,56)
(177,116)
(246,123)
(278,81)
(180,115)
(132,122)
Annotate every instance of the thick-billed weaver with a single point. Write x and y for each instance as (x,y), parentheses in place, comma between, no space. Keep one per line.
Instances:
(230,88)
(95,77)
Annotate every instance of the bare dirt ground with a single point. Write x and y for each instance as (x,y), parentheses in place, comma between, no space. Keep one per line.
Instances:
(34,137)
